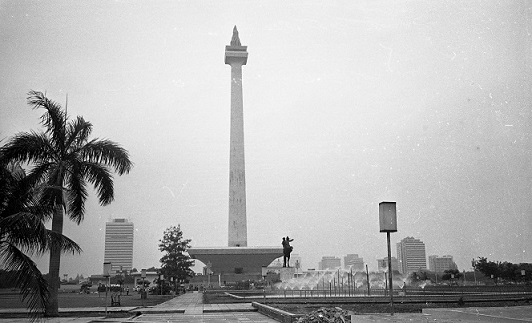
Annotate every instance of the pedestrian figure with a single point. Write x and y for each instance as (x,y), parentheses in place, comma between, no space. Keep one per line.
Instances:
(127,291)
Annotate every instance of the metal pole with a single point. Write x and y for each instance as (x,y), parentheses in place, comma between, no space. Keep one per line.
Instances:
(108,287)
(339,293)
(385,284)
(367,279)
(390,270)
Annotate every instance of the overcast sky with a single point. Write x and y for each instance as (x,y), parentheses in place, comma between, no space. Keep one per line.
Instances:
(346,104)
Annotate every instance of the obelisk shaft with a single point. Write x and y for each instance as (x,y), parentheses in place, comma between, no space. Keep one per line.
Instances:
(236,56)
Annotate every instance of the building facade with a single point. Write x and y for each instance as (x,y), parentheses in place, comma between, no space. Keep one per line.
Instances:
(119,244)
(411,255)
(354,262)
(441,264)
(329,262)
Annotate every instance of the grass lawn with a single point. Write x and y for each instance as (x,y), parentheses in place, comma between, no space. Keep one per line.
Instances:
(10,299)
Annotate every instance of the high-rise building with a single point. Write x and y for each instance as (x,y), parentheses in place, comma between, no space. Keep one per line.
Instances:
(119,244)
(354,262)
(411,255)
(382,264)
(329,262)
(441,264)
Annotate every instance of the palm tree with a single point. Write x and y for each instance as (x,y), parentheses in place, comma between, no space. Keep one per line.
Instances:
(23,234)
(66,161)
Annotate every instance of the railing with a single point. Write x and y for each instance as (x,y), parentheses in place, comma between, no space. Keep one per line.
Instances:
(429,292)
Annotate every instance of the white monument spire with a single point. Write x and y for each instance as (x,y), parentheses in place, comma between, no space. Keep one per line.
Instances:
(236,55)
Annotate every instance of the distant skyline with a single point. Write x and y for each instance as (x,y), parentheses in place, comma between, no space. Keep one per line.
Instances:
(346,104)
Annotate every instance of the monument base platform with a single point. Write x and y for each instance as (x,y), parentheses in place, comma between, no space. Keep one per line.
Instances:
(285,273)
(234,261)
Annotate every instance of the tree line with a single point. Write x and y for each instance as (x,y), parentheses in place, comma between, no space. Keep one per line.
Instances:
(505,271)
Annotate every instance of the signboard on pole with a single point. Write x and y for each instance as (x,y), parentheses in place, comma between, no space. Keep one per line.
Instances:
(106,269)
(387,217)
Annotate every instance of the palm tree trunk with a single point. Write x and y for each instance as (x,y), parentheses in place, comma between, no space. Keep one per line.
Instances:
(55,263)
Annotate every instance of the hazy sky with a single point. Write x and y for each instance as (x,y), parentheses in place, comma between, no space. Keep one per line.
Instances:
(346,104)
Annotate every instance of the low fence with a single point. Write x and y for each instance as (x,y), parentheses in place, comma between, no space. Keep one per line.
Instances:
(432,293)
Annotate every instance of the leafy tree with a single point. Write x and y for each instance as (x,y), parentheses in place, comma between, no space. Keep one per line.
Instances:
(23,234)
(176,262)
(66,161)
(506,271)
(486,267)
(162,287)
(509,271)
(450,274)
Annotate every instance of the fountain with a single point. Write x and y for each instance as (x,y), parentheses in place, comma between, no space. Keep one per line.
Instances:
(339,282)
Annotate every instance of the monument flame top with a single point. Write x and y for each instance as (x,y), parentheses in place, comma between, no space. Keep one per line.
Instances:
(235,48)
(235,41)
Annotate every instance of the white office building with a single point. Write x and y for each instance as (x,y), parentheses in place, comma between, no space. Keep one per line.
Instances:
(119,244)
(411,255)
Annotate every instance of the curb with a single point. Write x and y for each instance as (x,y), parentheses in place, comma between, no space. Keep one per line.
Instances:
(275,313)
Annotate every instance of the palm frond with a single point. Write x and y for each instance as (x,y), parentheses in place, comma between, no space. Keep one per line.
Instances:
(26,231)
(33,286)
(108,153)
(28,147)
(53,191)
(78,132)
(54,120)
(77,192)
(62,242)
(102,179)
(37,179)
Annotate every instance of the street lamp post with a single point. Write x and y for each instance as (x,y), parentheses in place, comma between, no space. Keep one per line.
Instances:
(107,273)
(143,293)
(388,223)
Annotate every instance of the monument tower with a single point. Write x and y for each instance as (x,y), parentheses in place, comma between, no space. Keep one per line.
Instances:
(236,56)
(237,261)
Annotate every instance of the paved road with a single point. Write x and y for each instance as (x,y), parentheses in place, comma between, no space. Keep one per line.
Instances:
(231,317)
(190,308)
(450,315)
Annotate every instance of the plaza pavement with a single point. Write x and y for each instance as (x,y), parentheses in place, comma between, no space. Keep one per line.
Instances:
(189,307)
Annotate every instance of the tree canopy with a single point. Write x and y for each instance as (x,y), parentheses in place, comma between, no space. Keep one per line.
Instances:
(503,270)
(176,262)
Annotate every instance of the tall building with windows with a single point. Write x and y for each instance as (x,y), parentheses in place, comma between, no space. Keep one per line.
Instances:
(328,262)
(441,264)
(119,244)
(353,261)
(411,255)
